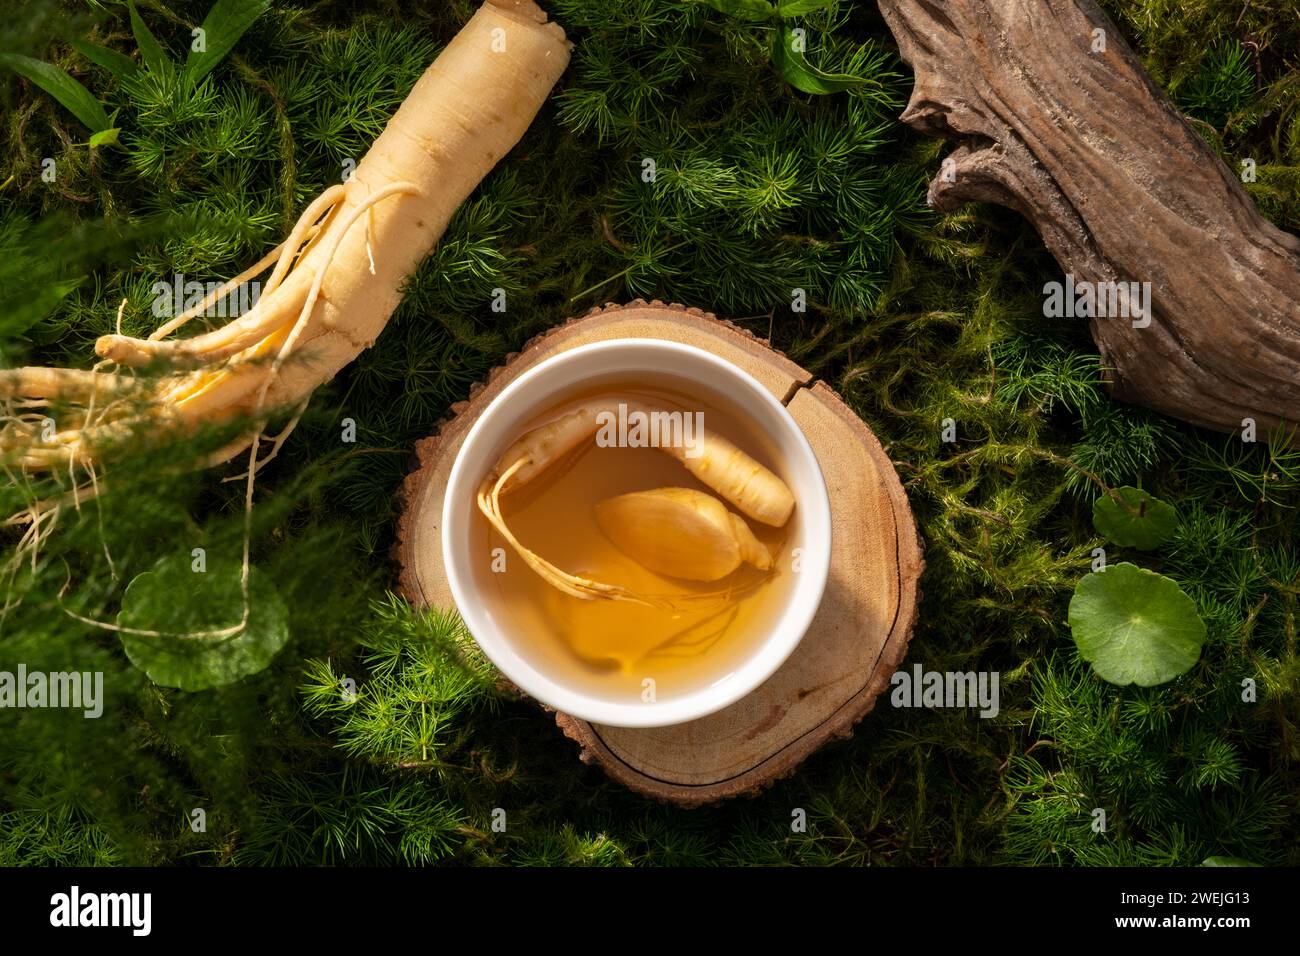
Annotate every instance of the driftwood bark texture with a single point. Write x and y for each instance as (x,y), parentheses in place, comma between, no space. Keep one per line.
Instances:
(1055,117)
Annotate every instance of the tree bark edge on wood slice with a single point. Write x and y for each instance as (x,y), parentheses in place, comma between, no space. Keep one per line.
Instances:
(857,640)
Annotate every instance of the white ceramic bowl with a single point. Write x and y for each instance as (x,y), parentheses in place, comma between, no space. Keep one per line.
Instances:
(690,369)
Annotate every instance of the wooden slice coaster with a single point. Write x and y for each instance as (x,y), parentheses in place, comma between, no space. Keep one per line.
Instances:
(857,639)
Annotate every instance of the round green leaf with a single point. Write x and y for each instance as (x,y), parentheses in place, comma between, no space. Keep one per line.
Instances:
(1135,626)
(1142,521)
(175,600)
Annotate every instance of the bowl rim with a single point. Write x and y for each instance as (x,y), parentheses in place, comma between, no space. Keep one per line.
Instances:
(767,656)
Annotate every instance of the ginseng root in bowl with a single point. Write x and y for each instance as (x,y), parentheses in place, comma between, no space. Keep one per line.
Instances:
(627,582)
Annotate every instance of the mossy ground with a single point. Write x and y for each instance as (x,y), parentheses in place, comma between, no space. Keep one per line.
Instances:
(759,190)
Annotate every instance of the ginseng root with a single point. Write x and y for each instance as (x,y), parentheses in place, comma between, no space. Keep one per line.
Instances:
(335,280)
(681,533)
(752,488)
(742,481)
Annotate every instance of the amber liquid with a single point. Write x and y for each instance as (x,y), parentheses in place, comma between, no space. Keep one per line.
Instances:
(613,647)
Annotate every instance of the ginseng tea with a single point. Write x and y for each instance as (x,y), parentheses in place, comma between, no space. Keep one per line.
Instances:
(634,567)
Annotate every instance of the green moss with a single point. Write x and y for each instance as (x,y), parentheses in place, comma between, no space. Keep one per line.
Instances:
(758,190)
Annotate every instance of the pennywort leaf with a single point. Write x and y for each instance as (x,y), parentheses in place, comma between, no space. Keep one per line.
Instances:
(1135,626)
(1137,520)
(175,600)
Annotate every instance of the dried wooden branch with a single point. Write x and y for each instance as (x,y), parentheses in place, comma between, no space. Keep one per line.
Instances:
(1055,117)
